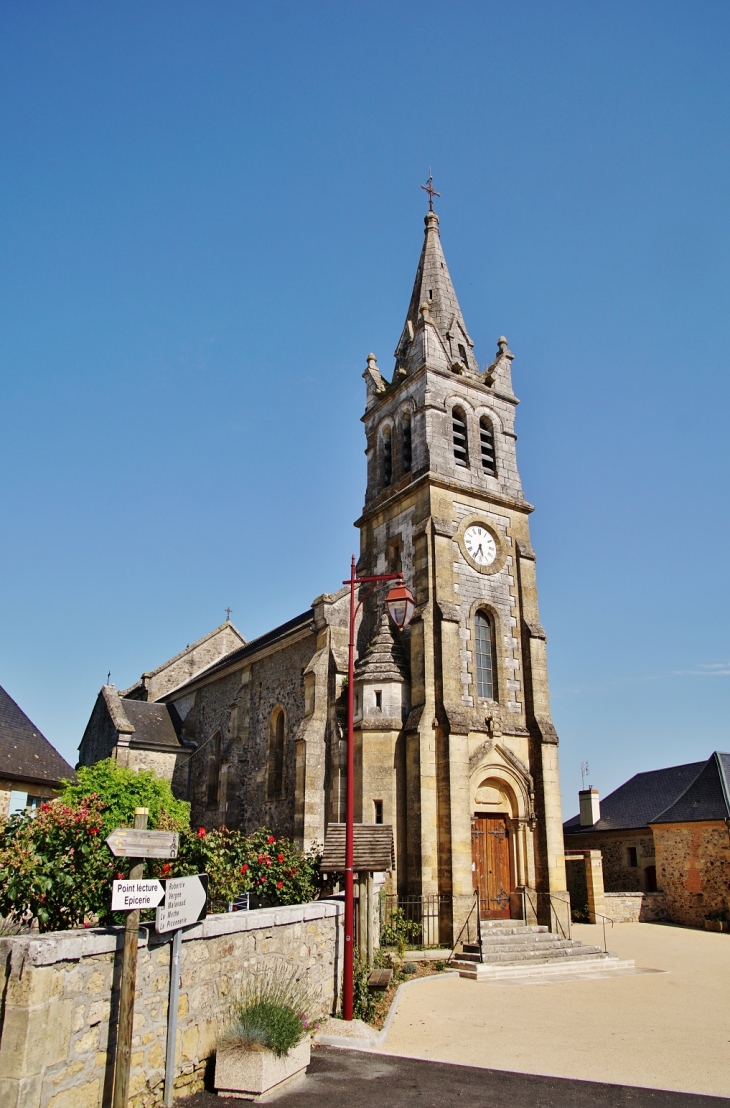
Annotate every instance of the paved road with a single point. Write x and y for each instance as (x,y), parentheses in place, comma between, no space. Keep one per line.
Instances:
(355,1079)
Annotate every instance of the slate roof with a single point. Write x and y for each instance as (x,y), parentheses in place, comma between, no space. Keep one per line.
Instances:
(695,791)
(152,722)
(25,754)
(707,796)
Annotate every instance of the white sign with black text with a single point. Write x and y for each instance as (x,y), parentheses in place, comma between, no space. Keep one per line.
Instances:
(185,902)
(127,896)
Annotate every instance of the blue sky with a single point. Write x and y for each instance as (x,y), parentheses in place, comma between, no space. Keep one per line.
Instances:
(210,214)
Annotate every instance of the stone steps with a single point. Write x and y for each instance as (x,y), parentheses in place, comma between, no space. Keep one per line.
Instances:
(511,948)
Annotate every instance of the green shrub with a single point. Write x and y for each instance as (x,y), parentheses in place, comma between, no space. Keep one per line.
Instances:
(274,1013)
(399,931)
(409,968)
(121,790)
(363,1002)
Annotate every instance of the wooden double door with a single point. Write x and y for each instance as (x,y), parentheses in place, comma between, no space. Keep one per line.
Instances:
(491,865)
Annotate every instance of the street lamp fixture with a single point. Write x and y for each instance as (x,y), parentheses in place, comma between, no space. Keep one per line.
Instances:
(401,606)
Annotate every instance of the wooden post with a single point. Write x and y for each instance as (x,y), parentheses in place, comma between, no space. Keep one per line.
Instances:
(362,916)
(129,983)
(371,923)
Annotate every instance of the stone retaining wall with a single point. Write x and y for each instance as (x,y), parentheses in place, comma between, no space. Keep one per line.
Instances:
(635,907)
(60,998)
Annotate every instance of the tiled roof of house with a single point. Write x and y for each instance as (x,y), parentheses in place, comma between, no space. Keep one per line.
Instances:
(641,799)
(25,754)
(707,796)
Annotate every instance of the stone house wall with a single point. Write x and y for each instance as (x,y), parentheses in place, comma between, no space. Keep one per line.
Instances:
(60,999)
(693,868)
(618,875)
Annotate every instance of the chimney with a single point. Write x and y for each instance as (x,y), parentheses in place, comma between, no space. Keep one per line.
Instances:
(590,807)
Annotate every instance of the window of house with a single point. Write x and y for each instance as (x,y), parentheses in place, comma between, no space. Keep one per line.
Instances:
(387,456)
(631,859)
(484,656)
(214,771)
(378,808)
(277,727)
(486,437)
(406,442)
(461,446)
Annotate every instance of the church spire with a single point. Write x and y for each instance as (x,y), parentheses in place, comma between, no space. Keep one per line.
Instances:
(435,330)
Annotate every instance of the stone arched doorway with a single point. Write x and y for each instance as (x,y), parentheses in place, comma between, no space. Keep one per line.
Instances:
(495,849)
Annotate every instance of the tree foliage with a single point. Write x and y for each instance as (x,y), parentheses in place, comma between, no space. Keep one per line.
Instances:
(122,790)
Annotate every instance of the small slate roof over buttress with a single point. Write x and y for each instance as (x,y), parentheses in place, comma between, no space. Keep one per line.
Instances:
(26,754)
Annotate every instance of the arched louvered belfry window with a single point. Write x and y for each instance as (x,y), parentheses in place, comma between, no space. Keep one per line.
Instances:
(214,771)
(484,656)
(277,734)
(461,444)
(405,439)
(387,457)
(486,438)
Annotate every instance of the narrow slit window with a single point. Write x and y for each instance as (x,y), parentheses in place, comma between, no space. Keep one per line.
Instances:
(378,700)
(484,650)
(461,448)
(214,771)
(275,782)
(632,859)
(378,806)
(387,457)
(406,443)
(486,437)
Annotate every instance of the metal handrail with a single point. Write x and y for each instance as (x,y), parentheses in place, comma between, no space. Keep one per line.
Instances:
(477,905)
(553,914)
(611,921)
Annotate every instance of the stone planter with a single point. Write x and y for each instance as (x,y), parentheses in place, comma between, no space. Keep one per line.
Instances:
(717,925)
(253,1074)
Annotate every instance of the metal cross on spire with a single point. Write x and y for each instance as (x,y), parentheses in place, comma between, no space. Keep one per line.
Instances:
(228,614)
(431,192)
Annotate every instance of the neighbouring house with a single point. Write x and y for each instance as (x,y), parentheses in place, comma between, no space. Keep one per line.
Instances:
(30,768)
(665,831)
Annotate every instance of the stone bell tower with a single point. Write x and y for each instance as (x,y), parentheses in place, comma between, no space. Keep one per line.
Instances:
(454,742)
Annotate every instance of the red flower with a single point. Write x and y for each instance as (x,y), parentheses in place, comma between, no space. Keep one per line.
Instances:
(268,862)
(202,832)
(262,880)
(244,867)
(93,830)
(271,839)
(119,876)
(166,868)
(280,857)
(261,859)
(280,884)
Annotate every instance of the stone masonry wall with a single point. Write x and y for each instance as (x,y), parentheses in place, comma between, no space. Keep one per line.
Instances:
(693,869)
(618,875)
(635,907)
(60,1000)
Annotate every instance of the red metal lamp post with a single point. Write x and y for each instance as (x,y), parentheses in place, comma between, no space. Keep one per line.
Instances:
(400,605)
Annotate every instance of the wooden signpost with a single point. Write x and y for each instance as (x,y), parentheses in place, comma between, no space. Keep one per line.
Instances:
(136,844)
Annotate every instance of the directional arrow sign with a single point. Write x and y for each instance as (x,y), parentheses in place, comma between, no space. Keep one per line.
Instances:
(128,895)
(186,901)
(127,842)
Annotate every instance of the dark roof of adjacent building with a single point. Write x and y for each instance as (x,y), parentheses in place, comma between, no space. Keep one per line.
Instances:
(706,798)
(695,791)
(26,754)
(252,647)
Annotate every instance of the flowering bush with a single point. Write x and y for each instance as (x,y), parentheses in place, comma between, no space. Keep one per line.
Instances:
(122,790)
(55,866)
(272,870)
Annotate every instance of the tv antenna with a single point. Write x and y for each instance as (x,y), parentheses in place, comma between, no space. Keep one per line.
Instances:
(584,771)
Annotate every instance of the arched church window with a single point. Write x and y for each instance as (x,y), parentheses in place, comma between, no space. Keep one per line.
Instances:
(484,656)
(214,771)
(277,729)
(387,457)
(461,446)
(405,432)
(486,437)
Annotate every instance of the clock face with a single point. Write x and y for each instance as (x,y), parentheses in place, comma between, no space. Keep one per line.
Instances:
(480,545)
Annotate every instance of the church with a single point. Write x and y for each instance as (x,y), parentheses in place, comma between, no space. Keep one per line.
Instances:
(454,744)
